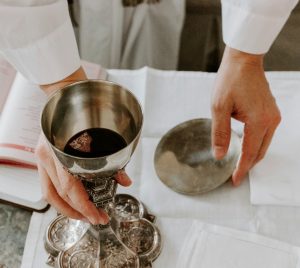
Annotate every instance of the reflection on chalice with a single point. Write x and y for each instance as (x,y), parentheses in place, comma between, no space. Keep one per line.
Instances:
(93,128)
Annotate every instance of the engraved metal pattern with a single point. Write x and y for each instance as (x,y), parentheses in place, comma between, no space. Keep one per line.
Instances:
(82,254)
(142,237)
(136,239)
(65,232)
(115,254)
(101,192)
(61,234)
(128,208)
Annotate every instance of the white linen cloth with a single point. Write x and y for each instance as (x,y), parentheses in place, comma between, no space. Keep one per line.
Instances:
(214,247)
(186,95)
(276,179)
(37,37)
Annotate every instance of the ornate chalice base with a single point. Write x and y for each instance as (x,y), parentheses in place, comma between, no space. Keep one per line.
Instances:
(131,239)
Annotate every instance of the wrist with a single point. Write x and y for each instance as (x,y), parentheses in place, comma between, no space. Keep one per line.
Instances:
(78,75)
(243,58)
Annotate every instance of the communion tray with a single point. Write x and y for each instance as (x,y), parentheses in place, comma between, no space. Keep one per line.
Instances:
(72,243)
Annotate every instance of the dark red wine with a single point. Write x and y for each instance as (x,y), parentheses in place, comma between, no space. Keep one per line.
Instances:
(95,142)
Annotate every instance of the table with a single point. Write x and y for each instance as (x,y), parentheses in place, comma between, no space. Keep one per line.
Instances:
(226,206)
(14,223)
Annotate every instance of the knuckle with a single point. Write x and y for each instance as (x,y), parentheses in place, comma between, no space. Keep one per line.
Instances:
(262,120)
(250,156)
(277,118)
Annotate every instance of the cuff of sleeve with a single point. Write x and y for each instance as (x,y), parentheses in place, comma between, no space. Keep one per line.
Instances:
(49,59)
(249,32)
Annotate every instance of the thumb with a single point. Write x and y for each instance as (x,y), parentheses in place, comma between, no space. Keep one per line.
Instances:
(221,131)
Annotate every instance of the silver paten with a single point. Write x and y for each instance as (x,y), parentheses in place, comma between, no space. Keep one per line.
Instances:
(130,239)
(184,159)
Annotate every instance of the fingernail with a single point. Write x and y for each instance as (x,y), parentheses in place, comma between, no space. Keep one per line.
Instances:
(219,152)
(93,221)
(125,178)
(101,219)
(237,183)
(104,218)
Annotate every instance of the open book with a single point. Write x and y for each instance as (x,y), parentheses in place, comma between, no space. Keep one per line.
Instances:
(20,107)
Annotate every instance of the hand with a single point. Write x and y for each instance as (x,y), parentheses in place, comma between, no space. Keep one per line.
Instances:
(62,190)
(241,91)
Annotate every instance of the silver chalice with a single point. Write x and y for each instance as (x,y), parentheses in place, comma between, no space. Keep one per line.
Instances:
(130,239)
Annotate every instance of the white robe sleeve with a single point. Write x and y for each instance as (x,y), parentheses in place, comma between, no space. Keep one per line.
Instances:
(37,38)
(252,25)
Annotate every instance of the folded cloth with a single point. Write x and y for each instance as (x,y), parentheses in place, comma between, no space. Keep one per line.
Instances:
(214,247)
(227,205)
(276,179)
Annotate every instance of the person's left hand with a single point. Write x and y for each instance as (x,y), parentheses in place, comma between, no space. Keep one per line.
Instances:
(61,189)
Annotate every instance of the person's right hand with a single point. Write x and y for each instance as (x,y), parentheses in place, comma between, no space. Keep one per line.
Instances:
(242,92)
(62,190)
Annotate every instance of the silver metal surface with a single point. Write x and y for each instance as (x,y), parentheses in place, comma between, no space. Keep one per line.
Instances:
(184,160)
(71,243)
(92,104)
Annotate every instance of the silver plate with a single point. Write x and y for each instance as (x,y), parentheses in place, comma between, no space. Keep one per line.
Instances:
(184,160)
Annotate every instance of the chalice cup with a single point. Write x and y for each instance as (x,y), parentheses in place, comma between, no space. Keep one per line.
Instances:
(130,239)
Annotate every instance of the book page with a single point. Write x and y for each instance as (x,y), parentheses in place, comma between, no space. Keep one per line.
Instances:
(7,75)
(20,121)
(21,186)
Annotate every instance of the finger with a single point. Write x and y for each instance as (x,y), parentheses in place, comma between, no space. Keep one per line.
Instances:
(252,141)
(221,132)
(122,178)
(52,197)
(79,197)
(48,164)
(265,145)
